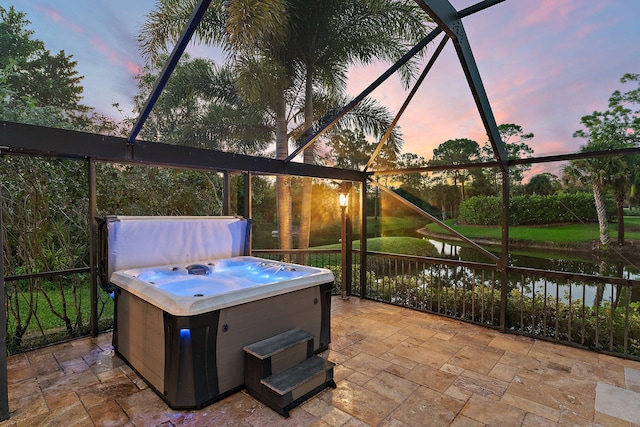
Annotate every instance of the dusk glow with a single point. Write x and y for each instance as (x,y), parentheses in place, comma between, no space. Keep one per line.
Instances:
(544,65)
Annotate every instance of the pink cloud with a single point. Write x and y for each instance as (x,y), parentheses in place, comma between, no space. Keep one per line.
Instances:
(56,17)
(132,67)
(114,57)
(549,11)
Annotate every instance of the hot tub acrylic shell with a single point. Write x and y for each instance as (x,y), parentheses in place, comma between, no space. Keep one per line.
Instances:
(190,350)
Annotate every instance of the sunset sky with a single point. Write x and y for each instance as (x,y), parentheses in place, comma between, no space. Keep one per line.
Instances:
(544,64)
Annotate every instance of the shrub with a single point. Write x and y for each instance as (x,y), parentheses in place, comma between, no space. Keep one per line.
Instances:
(534,209)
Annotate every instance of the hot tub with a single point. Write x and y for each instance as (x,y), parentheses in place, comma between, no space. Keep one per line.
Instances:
(183,325)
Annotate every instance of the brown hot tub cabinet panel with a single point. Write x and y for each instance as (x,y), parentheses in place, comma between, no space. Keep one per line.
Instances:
(192,361)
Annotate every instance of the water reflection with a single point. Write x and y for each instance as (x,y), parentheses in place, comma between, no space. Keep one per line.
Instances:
(591,294)
(544,261)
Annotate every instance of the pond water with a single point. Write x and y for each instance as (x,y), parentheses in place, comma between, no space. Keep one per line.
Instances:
(557,261)
(551,260)
(574,262)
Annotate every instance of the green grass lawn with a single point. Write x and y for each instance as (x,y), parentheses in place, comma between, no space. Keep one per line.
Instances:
(564,233)
(396,245)
(34,312)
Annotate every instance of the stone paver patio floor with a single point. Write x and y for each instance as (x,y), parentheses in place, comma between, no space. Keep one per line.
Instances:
(395,367)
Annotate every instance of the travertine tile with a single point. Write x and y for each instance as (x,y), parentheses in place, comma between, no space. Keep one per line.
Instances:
(391,386)
(432,378)
(421,334)
(58,400)
(108,414)
(396,359)
(618,402)
(551,397)
(336,417)
(446,347)
(372,346)
(426,407)
(632,379)
(359,378)
(364,404)
(558,352)
(549,413)
(533,420)
(392,422)
(452,369)
(491,412)
(395,368)
(613,374)
(478,360)
(512,343)
(462,421)
(398,369)
(380,331)
(367,364)
(71,415)
(420,354)
(481,385)
(503,372)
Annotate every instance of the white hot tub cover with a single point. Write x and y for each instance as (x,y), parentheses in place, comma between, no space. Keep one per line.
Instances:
(143,241)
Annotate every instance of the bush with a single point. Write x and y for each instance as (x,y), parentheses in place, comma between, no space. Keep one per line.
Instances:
(481,210)
(534,209)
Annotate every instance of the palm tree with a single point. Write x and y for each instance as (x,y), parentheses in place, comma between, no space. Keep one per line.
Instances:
(607,131)
(279,38)
(254,43)
(594,172)
(328,37)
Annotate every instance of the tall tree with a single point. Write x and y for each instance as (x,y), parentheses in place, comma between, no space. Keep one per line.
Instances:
(515,143)
(456,152)
(327,37)
(268,36)
(32,71)
(43,201)
(543,184)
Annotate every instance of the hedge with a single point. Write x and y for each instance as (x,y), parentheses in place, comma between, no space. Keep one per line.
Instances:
(534,209)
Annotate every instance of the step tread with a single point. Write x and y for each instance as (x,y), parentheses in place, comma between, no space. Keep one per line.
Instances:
(287,380)
(278,343)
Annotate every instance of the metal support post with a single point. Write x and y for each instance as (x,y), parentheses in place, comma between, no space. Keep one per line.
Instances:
(504,255)
(363,238)
(248,196)
(93,233)
(348,253)
(343,257)
(226,196)
(345,238)
(4,384)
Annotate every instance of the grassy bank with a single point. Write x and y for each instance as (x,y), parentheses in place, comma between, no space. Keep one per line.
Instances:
(395,245)
(560,234)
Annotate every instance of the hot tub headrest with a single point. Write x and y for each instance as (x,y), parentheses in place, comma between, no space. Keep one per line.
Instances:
(135,241)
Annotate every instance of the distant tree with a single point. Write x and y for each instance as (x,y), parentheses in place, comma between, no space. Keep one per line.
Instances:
(416,181)
(446,197)
(482,185)
(543,184)
(348,149)
(514,139)
(456,152)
